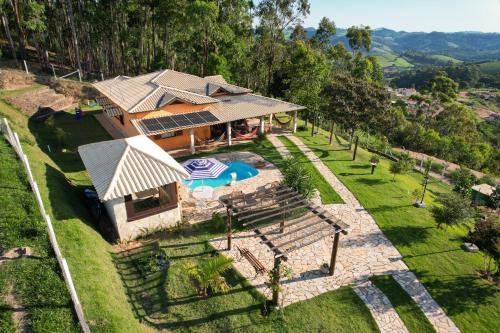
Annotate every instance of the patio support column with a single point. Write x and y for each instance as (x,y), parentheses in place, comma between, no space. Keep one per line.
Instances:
(191,136)
(276,280)
(262,123)
(294,128)
(229,229)
(270,123)
(334,253)
(228,133)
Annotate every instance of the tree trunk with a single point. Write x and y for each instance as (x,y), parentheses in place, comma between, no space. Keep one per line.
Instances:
(331,132)
(351,139)
(9,37)
(313,122)
(355,149)
(20,31)
(73,32)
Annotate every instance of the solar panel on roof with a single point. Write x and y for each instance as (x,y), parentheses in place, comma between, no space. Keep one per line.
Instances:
(167,122)
(181,120)
(195,118)
(208,116)
(152,125)
(178,120)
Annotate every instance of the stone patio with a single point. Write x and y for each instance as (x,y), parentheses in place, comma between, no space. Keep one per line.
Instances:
(267,174)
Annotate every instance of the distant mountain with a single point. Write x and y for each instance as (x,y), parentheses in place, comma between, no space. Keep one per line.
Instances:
(456,46)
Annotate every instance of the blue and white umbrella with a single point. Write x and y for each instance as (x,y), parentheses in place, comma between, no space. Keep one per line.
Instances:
(204,168)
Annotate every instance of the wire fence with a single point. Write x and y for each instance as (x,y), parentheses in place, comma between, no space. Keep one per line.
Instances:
(13,139)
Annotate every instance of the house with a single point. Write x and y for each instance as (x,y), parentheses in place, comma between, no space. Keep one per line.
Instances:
(481,194)
(137,182)
(182,111)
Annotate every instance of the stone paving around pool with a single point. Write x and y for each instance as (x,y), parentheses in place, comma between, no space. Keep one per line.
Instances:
(195,211)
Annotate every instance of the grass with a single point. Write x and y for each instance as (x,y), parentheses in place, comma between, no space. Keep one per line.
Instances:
(409,312)
(391,59)
(490,67)
(175,305)
(328,194)
(434,255)
(61,177)
(36,282)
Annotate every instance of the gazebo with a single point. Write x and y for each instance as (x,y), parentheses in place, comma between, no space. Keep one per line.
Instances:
(284,221)
(137,181)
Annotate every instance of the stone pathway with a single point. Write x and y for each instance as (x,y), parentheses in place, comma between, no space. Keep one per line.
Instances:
(429,306)
(365,230)
(381,308)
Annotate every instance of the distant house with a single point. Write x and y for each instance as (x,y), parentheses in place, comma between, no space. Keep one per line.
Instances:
(405,92)
(180,111)
(481,194)
(137,181)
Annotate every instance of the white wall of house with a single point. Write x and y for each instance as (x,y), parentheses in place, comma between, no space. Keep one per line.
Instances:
(129,230)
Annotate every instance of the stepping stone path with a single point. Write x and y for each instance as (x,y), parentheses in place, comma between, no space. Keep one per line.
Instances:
(367,234)
(381,308)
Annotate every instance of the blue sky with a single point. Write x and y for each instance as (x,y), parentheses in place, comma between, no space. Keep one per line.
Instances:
(410,15)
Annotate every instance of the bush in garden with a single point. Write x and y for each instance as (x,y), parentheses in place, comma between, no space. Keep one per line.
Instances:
(453,209)
(296,177)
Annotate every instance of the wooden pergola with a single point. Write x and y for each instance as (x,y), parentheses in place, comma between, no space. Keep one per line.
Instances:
(293,221)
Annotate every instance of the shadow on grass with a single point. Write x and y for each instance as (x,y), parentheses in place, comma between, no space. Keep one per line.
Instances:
(66,199)
(459,293)
(145,290)
(370,181)
(407,235)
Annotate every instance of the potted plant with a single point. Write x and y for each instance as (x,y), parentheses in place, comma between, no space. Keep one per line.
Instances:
(374,161)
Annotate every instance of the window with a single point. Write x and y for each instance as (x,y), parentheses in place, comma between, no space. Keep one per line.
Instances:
(169,135)
(151,202)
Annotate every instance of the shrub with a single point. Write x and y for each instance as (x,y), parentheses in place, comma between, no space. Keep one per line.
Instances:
(487,179)
(218,222)
(208,274)
(453,209)
(374,159)
(463,180)
(296,177)
(301,128)
(436,167)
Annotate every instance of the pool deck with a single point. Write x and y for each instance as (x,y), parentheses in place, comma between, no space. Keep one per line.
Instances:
(195,211)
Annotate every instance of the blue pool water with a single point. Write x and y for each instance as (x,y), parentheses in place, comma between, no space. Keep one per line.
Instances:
(242,170)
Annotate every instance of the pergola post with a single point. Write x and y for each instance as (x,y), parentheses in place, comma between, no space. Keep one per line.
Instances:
(261,124)
(229,229)
(294,126)
(191,136)
(276,280)
(271,123)
(334,253)
(228,133)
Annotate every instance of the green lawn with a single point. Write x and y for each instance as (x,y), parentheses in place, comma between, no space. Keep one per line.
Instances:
(174,304)
(328,194)
(36,282)
(61,177)
(436,257)
(409,312)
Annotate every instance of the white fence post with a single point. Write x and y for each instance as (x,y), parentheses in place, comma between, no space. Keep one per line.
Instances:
(26,67)
(13,139)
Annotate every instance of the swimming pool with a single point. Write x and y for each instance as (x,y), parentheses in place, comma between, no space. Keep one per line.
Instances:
(243,171)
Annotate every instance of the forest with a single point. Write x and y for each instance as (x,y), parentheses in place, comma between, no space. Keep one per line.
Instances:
(262,46)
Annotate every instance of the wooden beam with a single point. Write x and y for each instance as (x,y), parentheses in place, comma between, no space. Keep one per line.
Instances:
(291,209)
(289,203)
(280,198)
(293,240)
(333,259)
(229,229)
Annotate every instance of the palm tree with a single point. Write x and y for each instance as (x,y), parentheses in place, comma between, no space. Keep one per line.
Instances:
(208,274)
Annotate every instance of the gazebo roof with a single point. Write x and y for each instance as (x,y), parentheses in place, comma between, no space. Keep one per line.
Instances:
(125,166)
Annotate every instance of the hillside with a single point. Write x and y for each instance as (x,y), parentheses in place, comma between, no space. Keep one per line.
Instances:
(464,46)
